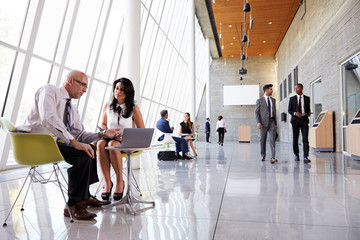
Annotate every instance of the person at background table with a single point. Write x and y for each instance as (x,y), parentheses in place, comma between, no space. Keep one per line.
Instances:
(187,127)
(120,112)
(52,113)
(163,125)
(207,130)
(221,129)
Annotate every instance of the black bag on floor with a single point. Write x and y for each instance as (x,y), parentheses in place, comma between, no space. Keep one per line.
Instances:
(167,155)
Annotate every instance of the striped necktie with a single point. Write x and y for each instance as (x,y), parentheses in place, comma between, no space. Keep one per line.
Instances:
(67,120)
(269,106)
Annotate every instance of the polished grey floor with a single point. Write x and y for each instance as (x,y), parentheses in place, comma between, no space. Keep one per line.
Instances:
(226,193)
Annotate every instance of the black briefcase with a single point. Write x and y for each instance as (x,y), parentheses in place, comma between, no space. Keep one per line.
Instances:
(167,155)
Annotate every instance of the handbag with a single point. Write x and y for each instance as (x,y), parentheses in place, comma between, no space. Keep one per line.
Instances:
(167,155)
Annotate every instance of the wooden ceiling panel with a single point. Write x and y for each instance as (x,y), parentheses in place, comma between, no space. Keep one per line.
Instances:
(229,17)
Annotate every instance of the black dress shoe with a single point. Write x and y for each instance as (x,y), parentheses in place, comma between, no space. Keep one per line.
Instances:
(185,157)
(106,195)
(117,196)
(79,212)
(297,158)
(306,160)
(178,156)
(93,202)
(263,159)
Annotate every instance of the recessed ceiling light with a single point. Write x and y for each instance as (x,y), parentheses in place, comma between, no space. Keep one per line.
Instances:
(259,54)
(234,37)
(264,41)
(230,25)
(269,23)
(232,55)
(231,43)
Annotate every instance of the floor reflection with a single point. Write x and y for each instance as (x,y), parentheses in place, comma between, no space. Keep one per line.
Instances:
(226,193)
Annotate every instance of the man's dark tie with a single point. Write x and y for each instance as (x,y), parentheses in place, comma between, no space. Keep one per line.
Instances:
(118,109)
(299,106)
(67,120)
(269,106)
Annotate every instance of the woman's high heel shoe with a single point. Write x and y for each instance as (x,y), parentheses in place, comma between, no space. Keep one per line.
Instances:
(117,196)
(106,195)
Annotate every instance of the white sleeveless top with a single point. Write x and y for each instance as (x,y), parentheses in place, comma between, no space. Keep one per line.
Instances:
(112,118)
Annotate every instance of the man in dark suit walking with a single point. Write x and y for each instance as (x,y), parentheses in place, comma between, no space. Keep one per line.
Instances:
(207,130)
(299,109)
(265,117)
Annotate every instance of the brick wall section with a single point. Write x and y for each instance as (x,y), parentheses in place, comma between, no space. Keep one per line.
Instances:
(328,35)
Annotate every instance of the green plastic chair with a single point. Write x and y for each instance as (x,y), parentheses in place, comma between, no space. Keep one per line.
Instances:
(33,150)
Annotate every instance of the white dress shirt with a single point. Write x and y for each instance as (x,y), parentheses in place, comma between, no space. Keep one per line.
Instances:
(220,124)
(266,100)
(302,104)
(47,115)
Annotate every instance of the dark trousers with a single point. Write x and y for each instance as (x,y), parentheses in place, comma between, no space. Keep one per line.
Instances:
(221,132)
(81,174)
(181,146)
(303,125)
(207,136)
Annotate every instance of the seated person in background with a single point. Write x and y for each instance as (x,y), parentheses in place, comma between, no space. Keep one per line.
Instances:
(187,127)
(52,113)
(120,112)
(180,143)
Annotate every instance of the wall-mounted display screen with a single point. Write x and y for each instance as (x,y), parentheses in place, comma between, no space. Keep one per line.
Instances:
(241,94)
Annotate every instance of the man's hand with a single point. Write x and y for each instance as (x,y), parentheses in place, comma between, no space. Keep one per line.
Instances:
(308,114)
(298,115)
(113,133)
(172,128)
(259,126)
(83,147)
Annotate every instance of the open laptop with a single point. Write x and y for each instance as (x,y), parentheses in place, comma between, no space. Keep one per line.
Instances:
(136,138)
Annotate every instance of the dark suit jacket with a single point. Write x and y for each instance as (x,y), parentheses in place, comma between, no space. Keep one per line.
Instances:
(207,126)
(293,107)
(164,126)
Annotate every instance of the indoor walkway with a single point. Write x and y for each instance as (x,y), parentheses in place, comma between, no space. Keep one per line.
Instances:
(227,193)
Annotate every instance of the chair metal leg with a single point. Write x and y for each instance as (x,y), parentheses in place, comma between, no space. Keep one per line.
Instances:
(4,224)
(56,169)
(31,174)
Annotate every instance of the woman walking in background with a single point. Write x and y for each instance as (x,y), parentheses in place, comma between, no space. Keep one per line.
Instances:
(221,129)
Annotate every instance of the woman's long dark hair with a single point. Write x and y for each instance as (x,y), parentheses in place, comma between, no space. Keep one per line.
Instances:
(129,99)
(189,123)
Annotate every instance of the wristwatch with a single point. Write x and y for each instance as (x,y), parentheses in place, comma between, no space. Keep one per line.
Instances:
(102,133)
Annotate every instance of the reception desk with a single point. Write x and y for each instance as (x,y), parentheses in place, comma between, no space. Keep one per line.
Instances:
(353,137)
(321,134)
(244,134)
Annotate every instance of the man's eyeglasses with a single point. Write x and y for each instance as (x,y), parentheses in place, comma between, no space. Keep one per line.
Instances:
(84,85)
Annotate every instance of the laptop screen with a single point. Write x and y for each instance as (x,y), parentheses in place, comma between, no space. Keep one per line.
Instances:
(136,137)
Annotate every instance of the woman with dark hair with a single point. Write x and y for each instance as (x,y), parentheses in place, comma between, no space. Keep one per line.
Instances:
(120,112)
(221,129)
(187,127)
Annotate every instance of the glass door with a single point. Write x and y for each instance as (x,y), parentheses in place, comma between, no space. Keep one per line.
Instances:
(350,93)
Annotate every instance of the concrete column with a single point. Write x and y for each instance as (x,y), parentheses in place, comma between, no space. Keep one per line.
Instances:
(207,69)
(191,62)
(131,57)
